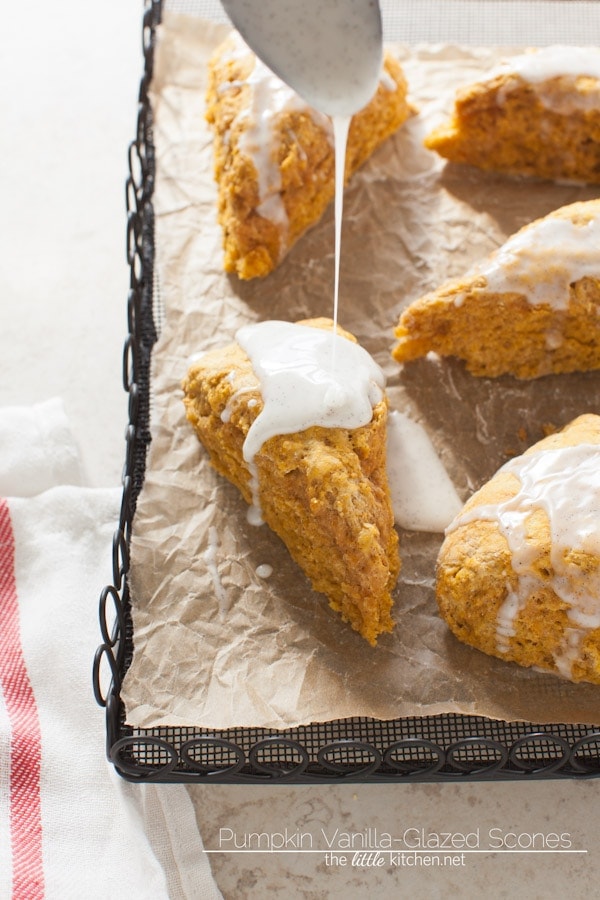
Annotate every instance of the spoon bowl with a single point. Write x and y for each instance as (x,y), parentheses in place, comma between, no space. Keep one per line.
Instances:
(328,51)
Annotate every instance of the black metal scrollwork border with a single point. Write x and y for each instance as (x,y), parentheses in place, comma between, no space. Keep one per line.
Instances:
(141,335)
(439,748)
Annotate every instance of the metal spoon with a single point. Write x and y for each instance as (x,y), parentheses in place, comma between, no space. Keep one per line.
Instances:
(328,51)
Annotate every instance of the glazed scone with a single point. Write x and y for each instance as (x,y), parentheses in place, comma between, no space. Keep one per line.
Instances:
(536,115)
(323,490)
(518,574)
(531,309)
(274,157)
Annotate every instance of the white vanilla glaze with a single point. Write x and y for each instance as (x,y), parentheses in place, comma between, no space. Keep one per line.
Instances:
(557,60)
(269,99)
(300,387)
(341,127)
(540,66)
(423,496)
(211,560)
(565,484)
(541,261)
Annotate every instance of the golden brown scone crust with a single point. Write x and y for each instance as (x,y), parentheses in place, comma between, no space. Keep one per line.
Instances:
(474,573)
(503,125)
(254,245)
(324,491)
(502,333)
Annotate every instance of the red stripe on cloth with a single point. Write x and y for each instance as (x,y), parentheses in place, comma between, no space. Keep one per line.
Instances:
(25,739)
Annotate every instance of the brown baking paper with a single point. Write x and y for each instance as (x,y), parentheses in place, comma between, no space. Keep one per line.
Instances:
(215,645)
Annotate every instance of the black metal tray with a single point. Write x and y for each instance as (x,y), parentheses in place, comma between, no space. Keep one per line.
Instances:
(434,748)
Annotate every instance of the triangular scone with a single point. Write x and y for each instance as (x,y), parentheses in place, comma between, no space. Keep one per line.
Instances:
(531,309)
(518,574)
(324,491)
(274,156)
(538,114)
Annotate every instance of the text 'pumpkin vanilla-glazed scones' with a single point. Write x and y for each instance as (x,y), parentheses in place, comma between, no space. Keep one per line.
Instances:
(531,309)
(322,489)
(538,114)
(518,574)
(274,157)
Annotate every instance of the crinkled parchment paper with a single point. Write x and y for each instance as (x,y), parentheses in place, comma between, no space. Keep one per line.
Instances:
(216,645)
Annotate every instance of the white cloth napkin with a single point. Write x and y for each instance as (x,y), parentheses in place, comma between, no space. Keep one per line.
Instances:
(70,827)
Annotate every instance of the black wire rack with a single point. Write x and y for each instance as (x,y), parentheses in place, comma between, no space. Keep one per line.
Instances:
(442,748)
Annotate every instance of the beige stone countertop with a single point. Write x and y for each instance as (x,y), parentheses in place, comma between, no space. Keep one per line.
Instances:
(70,76)
(472,817)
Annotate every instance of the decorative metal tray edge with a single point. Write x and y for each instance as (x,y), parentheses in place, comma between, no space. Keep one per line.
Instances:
(442,748)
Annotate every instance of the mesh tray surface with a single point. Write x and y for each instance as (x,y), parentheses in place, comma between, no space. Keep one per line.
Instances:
(435,748)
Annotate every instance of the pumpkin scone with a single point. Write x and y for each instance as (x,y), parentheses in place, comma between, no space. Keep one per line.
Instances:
(531,309)
(518,574)
(322,489)
(274,157)
(536,115)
